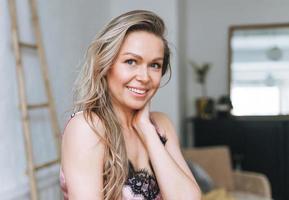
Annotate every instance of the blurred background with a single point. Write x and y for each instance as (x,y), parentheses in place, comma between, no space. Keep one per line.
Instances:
(200,33)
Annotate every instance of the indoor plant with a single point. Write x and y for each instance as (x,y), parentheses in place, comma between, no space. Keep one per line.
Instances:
(204,104)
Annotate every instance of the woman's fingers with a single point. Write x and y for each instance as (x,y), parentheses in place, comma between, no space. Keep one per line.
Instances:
(143,115)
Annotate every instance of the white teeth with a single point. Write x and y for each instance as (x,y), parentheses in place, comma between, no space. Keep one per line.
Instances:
(137,90)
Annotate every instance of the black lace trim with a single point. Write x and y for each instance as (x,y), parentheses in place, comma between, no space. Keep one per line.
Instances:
(163,139)
(142,183)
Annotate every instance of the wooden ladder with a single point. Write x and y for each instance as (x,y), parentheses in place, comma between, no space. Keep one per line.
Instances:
(24,106)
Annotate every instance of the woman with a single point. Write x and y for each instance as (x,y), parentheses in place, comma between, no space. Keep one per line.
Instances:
(115,148)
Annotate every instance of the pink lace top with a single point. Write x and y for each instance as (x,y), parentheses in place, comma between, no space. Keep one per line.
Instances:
(140,184)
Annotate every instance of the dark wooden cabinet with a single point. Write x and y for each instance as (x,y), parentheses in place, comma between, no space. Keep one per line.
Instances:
(256,144)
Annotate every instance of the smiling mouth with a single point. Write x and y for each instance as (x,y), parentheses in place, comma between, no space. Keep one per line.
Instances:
(137,91)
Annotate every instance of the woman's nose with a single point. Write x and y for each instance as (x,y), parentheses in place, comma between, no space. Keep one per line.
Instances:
(142,74)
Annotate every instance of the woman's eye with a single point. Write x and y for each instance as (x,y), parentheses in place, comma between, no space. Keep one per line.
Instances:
(130,61)
(156,65)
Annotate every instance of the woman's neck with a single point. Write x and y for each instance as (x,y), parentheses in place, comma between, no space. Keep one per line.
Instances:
(125,116)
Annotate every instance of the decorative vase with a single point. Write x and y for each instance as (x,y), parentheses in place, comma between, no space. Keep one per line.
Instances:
(205,107)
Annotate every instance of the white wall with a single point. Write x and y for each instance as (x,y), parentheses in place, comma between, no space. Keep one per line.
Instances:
(67,28)
(167,98)
(207,24)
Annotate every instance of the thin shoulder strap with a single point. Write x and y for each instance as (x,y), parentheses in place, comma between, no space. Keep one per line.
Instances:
(162,137)
(71,116)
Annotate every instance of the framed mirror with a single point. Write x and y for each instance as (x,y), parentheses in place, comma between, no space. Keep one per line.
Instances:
(258,60)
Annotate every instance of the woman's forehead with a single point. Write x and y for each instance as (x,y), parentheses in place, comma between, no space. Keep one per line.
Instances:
(142,43)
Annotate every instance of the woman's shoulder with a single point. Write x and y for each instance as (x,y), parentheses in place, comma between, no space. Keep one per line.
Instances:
(79,131)
(163,123)
(161,118)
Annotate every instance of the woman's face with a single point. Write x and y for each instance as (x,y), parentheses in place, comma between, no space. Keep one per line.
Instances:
(136,73)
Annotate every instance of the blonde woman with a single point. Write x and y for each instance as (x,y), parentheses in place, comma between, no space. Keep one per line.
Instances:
(114,147)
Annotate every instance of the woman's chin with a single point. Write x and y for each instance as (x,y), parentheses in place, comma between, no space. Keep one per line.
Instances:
(138,106)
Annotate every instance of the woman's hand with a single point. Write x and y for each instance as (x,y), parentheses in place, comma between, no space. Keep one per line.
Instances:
(142,122)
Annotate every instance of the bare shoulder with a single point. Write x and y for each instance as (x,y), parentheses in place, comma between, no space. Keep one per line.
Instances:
(80,140)
(164,124)
(159,116)
(78,129)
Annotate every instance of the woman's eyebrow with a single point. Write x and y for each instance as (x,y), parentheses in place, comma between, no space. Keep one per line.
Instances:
(139,57)
(132,54)
(160,58)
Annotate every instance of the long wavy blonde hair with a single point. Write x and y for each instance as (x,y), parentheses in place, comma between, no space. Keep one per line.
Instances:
(92,96)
